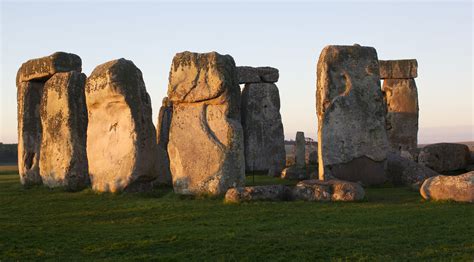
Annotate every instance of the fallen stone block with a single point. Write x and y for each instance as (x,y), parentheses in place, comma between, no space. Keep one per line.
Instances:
(456,188)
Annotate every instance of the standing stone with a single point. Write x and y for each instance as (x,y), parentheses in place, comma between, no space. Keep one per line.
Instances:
(263,129)
(205,146)
(30,81)
(29,132)
(300,150)
(351,134)
(121,138)
(401,98)
(63,157)
(162,137)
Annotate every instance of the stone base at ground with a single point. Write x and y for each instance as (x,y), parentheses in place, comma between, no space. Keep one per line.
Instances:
(443,157)
(307,190)
(258,193)
(294,173)
(457,188)
(403,171)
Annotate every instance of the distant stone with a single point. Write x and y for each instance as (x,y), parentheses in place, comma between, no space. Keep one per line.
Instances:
(331,190)
(312,158)
(29,131)
(258,193)
(268,74)
(121,138)
(290,160)
(294,173)
(263,129)
(351,115)
(443,157)
(401,97)
(300,150)
(457,188)
(248,74)
(206,146)
(63,157)
(403,171)
(41,69)
(162,136)
(398,69)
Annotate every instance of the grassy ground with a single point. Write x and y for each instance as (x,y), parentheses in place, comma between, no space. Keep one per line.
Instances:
(392,224)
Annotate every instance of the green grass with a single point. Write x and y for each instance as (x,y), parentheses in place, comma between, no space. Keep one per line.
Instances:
(391,224)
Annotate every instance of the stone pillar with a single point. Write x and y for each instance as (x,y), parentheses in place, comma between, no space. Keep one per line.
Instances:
(63,157)
(121,138)
(261,120)
(352,139)
(162,136)
(30,81)
(206,138)
(401,99)
(300,150)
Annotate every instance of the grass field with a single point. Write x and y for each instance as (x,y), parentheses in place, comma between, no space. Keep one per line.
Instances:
(391,224)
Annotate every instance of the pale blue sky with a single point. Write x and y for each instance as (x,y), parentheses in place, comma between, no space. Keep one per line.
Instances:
(285,35)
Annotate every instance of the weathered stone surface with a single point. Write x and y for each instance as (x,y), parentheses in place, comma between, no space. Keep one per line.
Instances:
(268,74)
(290,160)
(331,190)
(63,157)
(403,171)
(398,69)
(263,129)
(294,173)
(458,188)
(258,193)
(121,138)
(401,97)
(265,74)
(29,131)
(300,150)
(443,157)
(248,74)
(162,136)
(205,146)
(40,69)
(351,115)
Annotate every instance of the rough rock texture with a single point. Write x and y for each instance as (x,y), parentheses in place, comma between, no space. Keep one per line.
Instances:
(352,140)
(29,131)
(330,190)
(264,141)
(300,150)
(63,157)
(258,193)
(458,188)
(162,136)
(398,69)
(290,160)
(41,69)
(403,171)
(443,157)
(294,173)
(205,146)
(401,97)
(121,138)
(248,74)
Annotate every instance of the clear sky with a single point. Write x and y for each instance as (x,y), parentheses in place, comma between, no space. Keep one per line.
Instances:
(285,35)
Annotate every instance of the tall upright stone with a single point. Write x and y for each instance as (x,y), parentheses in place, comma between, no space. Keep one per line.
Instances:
(63,157)
(30,81)
(263,129)
(162,137)
(205,146)
(352,140)
(300,150)
(401,97)
(121,138)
